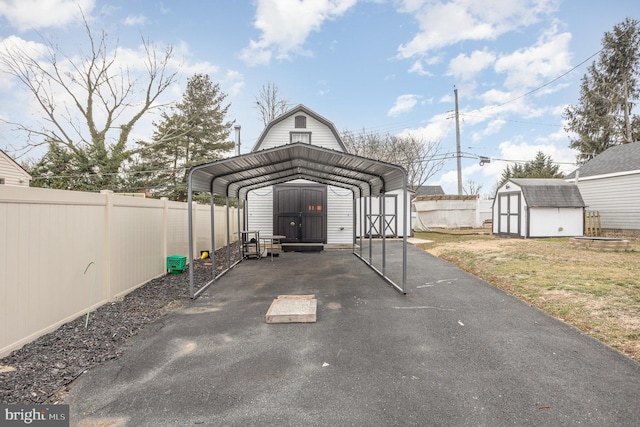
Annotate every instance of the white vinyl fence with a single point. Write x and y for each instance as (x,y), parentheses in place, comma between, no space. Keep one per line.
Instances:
(65,252)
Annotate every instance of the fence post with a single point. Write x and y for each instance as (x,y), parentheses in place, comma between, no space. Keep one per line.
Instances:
(108,236)
(194,219)
(165,231)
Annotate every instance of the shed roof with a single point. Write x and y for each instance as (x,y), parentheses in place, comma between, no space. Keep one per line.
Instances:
(235,176)
(429,190)
(619,158)
(551,193)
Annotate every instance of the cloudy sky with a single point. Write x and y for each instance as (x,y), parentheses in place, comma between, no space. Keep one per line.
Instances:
(386,66)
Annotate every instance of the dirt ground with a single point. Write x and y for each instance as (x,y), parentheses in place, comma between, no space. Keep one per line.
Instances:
(41,371)
(596,291)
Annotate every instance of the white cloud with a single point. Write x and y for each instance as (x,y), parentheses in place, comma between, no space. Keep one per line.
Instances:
(16,44)
(134,20)
(492,128)
(534,65)
(28,14)
(443,23)
(418,68)
(234,81)
(285,26)
(404,103)
(439,127)
(465,67)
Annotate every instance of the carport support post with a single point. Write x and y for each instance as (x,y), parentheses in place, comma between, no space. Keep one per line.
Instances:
(212,255)
(190,231)
(404,231)
(384,234)
(228,235)
(361,220)
(370,229)
(244,205)
(355,224)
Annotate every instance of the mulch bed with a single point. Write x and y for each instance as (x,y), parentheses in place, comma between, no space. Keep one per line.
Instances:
(47,365)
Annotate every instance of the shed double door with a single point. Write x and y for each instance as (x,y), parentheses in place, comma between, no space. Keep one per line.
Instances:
(300,213)
(509,208)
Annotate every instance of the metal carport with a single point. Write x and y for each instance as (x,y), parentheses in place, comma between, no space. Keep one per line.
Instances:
(236,176)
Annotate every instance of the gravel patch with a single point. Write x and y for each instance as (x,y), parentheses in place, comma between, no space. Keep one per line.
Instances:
(41,371)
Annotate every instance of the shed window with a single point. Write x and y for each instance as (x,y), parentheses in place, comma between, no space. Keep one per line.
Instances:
(301,137)
(301,122)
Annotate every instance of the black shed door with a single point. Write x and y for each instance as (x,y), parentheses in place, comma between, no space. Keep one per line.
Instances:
(300,213)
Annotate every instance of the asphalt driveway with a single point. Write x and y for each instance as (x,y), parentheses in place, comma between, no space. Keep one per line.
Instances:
(454,351)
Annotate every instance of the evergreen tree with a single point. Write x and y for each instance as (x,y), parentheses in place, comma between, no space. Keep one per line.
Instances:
(540,167)
(608,93)
(193,132)
(81,169)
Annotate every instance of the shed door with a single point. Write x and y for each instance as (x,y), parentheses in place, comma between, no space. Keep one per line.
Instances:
(509,205)
(300,213)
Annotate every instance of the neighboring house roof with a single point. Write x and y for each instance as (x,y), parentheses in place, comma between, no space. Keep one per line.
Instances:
(549,193)
(619,158)
(15,165)
(429,190)
(300,108)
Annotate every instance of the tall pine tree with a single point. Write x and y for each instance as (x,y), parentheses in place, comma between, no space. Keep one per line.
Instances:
(541,166)
(608,93)
(194,131)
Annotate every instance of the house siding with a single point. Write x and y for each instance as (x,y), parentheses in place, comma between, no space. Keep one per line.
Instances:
(616,198)
(12,173)
(280,134)
(339,215)
(260,211)
(555,222)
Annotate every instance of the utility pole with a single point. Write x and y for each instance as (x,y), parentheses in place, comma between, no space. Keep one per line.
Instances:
(458,155)
(237,128)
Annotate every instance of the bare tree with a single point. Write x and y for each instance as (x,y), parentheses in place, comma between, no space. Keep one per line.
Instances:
(89,103)
(269,103)
(421,159)
(472,188)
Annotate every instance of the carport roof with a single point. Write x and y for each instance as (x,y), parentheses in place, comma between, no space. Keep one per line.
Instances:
(235,176)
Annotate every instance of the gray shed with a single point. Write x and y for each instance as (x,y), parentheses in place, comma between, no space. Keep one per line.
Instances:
(530,207)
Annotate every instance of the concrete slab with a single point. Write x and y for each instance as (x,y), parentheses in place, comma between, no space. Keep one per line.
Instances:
(292,309)
(454,351)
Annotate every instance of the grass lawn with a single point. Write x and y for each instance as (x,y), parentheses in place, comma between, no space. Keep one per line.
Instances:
(598,292)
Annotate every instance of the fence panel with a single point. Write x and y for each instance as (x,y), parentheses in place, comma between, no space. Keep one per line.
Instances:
(65,252)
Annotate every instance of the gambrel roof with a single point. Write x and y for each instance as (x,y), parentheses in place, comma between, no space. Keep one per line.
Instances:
(549,193)
(300,108)
(616,159)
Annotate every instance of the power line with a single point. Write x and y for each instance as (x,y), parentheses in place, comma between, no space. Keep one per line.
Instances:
(512,121)
(543,85)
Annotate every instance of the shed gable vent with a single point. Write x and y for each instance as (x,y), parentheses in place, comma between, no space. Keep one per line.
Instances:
(301,122)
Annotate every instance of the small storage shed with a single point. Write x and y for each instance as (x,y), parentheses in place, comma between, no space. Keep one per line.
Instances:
(530,207)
